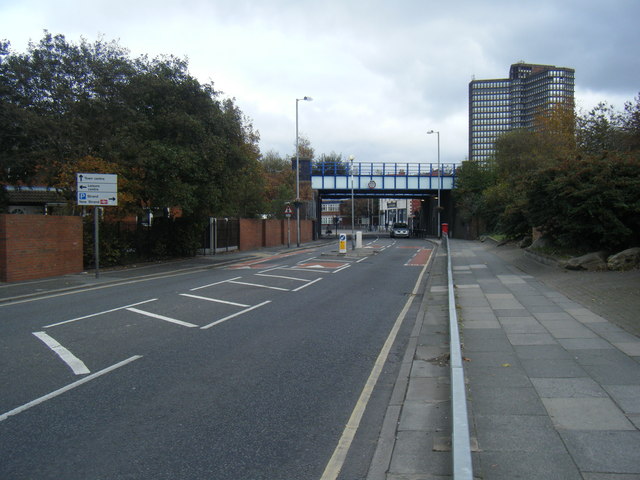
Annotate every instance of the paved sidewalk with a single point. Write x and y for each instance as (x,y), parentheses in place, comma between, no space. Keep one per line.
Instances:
(553,386)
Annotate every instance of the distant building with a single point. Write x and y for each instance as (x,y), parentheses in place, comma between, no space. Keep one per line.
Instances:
(34,200)
(499,105)
(394,210)
(330,212)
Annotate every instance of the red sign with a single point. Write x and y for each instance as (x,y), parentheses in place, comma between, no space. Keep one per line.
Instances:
(288,211)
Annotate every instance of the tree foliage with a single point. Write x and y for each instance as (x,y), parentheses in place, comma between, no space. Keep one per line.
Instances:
(172,139)
(331,164)
(472,180)
(280,183)
(591,202)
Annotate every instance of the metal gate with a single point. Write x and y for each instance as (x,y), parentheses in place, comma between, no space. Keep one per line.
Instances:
(221,235)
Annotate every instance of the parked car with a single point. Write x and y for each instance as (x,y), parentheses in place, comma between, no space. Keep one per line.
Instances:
(399,230)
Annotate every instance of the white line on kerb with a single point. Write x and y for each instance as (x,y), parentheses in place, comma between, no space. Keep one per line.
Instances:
(162,317)
(62,390)
(77,366)
(234,315)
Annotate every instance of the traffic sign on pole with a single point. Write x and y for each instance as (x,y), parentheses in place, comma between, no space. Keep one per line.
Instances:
(288,212)
(100,190)
(97,189)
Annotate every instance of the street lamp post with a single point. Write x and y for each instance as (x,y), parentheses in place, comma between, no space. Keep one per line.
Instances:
(439,178)
(307,99)
(353,210)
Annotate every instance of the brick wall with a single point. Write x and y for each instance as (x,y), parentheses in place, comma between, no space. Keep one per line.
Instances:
(39,246)
(250,234)
(275,233)
(255,233)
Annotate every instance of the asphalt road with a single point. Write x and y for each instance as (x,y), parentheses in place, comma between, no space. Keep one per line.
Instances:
(250,371)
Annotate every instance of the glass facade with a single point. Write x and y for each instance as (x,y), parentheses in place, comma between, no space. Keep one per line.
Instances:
(499,105)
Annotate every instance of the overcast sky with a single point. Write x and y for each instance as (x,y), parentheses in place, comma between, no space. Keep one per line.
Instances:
(381,73)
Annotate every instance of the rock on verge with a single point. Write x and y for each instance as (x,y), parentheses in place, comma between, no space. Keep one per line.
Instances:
(625,260)
(591,261)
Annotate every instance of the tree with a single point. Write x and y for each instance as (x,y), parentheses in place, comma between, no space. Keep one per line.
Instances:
(472,179)
(631,125)
(599,130)
(280,183)
(305,150)
(519,155)
(590,202)
(331,164)
(177,142)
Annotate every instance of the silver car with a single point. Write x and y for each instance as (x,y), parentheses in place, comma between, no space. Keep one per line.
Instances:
(400,230)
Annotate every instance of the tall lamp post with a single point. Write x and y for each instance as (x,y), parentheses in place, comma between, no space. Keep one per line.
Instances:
(307,99)
(353,210)
(439,178)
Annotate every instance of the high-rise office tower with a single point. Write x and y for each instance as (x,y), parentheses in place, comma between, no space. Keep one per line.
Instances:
(499,105)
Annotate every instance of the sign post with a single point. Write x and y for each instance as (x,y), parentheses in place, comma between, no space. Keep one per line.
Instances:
(287,213)
(99,190)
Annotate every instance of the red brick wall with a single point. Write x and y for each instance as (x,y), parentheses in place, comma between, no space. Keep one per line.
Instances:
(39,246)
(250,234)
(275,233)
(255,234)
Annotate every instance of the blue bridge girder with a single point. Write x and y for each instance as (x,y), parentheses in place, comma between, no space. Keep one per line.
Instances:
(396,180)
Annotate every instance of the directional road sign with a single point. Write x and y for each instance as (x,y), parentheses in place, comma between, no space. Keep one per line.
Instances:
(100,189)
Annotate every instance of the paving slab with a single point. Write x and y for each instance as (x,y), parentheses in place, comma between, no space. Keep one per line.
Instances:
(548,368)
(504,433)
(626,396)
(509,465)
(604,450)
(568,388)
(580,413)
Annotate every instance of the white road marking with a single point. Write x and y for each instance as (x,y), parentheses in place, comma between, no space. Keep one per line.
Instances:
(261,286)
(214,300)
(99,313)
(341,268)
(282,276)
(62,390)
(213,284)
(272,269)
(77,366)
(217,322)
(305,286)
(162,317)
(302,269)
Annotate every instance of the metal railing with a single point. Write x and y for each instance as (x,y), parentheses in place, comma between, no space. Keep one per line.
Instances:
(460,440)
(384,169)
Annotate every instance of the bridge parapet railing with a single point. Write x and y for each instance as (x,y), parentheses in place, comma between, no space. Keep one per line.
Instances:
(384,169)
